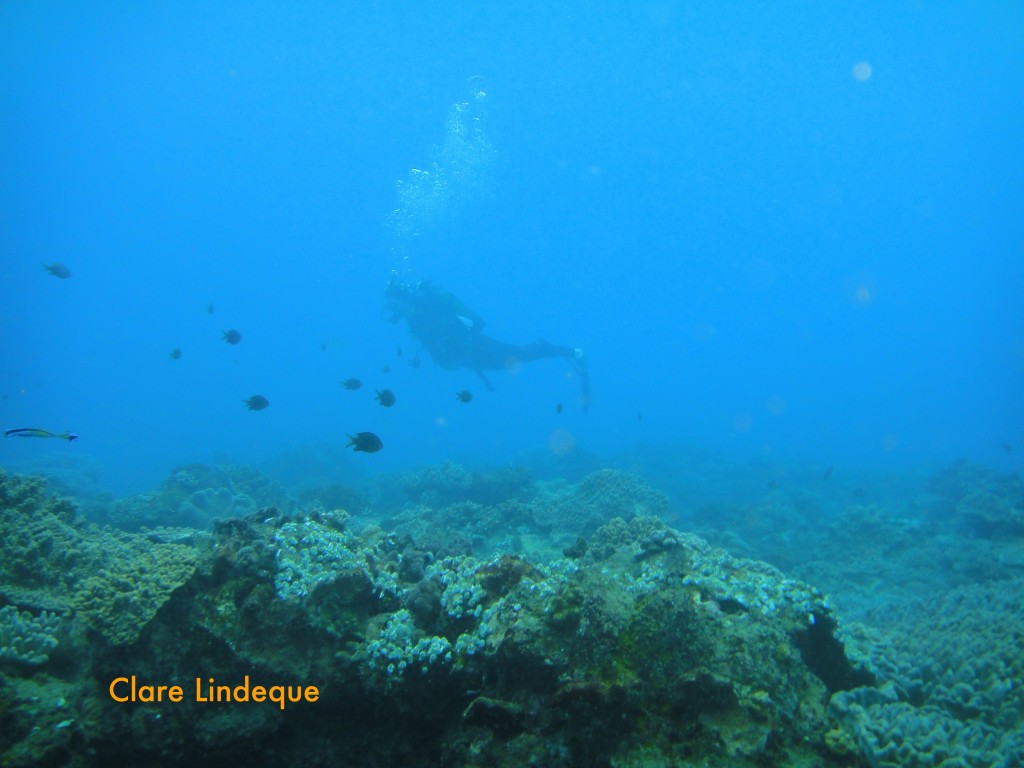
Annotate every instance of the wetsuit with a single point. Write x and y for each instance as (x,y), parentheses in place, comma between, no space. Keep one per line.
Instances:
(453,335)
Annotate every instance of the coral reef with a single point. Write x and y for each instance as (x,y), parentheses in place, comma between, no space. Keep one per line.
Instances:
(648,647)
(578,510)
(491,621)
(196,495)
(443,484)
(942,673)
(26,638)
(949,677)
(125,580)
(114,581)
(333,496)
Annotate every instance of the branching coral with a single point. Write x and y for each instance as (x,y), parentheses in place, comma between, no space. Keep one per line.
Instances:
(26,638)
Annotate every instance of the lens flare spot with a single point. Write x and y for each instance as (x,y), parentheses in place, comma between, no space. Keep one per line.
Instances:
(776,405)
(561,442)
(861,71)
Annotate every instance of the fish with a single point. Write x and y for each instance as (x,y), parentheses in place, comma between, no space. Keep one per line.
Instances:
(256,403)
(58,270)
(386,369)
(399,353)
(232,336)
(366,442)
(209,309)
(558,408)
(33,432)
(352,384)
(175,354)
(464,396)
(386,397)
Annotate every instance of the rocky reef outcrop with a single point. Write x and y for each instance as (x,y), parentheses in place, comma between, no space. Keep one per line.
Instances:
(646,646)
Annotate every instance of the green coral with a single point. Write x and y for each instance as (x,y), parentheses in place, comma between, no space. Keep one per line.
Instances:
(115,581)
(129,583)
(39,542)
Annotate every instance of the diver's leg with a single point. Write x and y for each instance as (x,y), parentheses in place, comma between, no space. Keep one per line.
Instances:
(485,380)
(487,354)
(574,355)
(542,349)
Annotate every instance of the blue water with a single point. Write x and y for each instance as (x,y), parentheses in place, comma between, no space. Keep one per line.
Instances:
(792,232)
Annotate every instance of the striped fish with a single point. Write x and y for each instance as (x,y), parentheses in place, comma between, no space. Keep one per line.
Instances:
(33,432)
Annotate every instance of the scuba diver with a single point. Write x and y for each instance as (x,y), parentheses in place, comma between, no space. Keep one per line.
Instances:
(453,334)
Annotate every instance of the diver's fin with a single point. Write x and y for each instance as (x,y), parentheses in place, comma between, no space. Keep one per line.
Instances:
(579,362)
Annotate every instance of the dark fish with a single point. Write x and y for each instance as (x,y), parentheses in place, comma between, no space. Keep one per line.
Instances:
(464,396)
(386,398)
(414,361)
(399,353)
(256,403)
(367,442)
(639,416)
(1007,447)
(352,384)
(323,346)
(232,336)
(772,484)
(175,354)
(209,309)
(58,270)
(386,369)
(558,408)
(33,432)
